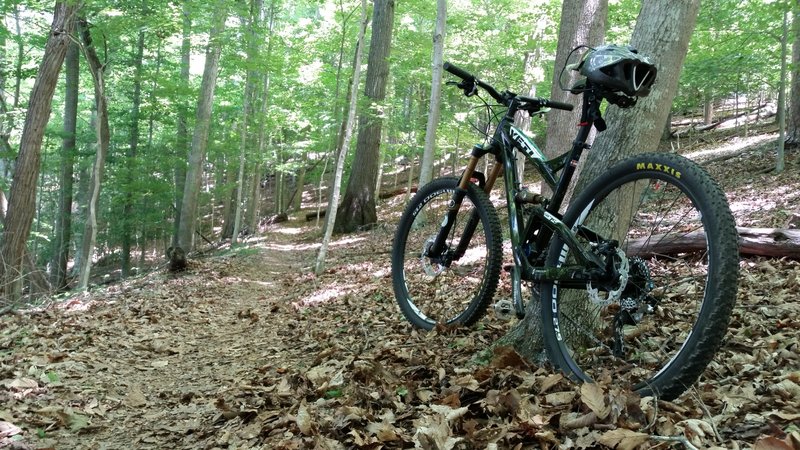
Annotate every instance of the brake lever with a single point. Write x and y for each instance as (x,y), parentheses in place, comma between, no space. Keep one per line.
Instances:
(469,88)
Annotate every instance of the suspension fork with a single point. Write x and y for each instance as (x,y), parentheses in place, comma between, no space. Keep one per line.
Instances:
(439,245)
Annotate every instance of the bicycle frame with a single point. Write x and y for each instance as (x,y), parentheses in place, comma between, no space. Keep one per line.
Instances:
(545,221)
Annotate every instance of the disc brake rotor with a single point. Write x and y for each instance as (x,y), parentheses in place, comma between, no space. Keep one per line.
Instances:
(615,294)
(428,267)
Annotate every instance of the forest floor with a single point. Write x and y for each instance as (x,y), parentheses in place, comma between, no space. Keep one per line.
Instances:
(247,349)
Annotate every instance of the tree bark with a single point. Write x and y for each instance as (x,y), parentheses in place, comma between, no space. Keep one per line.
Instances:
(182,133)
(780,159)
(130,161)
(662,32)
(194,173)
(771,242)
(426,171)
(793,120)
(23,186)
(358,206)
(63,228)
(574,30)
(5,122)
(333,200)
(103,136)
(228,195)
(255,200)
(20,56)
(249,92)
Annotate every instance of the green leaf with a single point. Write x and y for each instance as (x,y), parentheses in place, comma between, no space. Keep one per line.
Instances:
(77,422)
(333,393)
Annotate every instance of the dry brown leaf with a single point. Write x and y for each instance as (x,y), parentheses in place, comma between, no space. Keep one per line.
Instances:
(560,398)
(135,398)
(303,420)
(593,396)
(623,439)
(550,381)
(773,443)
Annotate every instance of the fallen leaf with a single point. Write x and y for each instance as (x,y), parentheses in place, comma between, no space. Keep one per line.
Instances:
(772,443)
(623,439)
(592,395)
(135,397)
(8,429)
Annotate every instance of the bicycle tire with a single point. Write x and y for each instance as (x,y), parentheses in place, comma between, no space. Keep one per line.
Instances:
(667,348)
(456,294)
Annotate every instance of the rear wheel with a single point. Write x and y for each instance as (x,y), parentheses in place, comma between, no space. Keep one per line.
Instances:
(456,286)
(657,325)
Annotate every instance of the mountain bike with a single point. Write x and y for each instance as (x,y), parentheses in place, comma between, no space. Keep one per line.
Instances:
(636,280)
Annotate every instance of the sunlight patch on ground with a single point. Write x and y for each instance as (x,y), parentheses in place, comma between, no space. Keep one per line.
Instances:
(348,241)
(732,146)
(382,272)
(289,231)
(323,296)
(290,247)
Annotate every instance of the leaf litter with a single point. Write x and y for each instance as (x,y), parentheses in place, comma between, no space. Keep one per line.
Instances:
(248,350)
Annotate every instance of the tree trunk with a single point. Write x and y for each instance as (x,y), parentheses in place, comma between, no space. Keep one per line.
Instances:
(532,75)
(780,160)
(358,205)
(793,122)
(103,136)
(21,54)
(662,32)
(194,173)
(63,228)
(249,92)
(182,133)
(333,198)
(708,109)
(130,161)
(23,186)
(583,22)
(426,171)
(297,199)
(5,120)
(255,200)
(228,195)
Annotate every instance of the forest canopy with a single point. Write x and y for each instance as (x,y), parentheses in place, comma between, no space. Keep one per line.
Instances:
(279,100)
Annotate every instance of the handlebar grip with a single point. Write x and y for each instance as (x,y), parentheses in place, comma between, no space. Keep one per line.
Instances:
(558,105)
(457,71)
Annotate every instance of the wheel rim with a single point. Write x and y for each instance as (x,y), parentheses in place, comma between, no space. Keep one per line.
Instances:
(649,213)
(437,292)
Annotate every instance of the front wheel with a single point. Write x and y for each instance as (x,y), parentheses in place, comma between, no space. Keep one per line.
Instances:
(656,326)
(455,286)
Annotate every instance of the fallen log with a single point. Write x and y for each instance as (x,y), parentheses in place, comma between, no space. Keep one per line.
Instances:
(277,218)
(772,242)
(396,192)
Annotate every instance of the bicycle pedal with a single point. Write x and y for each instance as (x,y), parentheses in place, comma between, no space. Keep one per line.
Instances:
(504,309)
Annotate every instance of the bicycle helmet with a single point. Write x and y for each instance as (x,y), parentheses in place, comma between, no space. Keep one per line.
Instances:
(619,69)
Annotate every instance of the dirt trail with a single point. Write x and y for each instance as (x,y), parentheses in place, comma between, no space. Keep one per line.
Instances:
(147,362)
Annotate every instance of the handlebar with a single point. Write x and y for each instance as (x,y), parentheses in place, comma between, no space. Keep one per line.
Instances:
(506,97)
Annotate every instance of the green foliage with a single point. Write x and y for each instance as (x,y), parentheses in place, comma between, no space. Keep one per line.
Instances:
(300,72)
(734,50)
